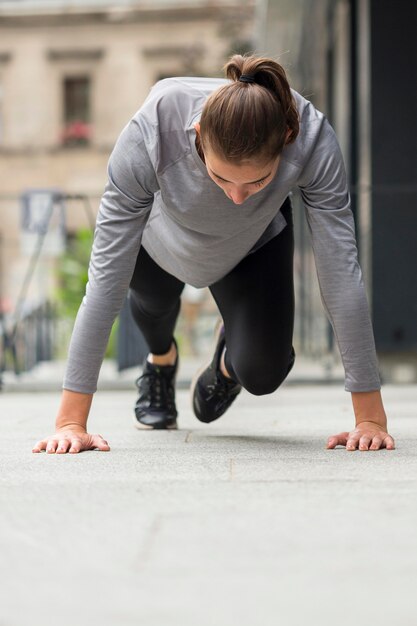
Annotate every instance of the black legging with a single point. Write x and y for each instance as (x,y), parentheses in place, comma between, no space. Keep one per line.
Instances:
(255,300)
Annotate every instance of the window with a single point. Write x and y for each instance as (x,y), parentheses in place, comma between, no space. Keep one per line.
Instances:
(1,114)
(4,60)
(77,116)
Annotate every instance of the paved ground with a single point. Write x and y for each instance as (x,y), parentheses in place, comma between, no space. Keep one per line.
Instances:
(48,375)
(245,522)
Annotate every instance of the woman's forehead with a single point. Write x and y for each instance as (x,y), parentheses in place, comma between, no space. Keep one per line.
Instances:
(252,170)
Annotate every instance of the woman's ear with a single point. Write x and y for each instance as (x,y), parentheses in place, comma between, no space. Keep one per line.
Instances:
(197,128)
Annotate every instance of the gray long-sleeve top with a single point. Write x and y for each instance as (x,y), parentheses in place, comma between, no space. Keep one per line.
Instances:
(160,195)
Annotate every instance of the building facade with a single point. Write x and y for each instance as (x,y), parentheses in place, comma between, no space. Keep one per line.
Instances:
(71,76)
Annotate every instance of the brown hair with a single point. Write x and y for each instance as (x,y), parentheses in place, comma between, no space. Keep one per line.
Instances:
(243,120)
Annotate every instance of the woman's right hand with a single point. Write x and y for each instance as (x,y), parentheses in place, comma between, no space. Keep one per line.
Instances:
(71,440)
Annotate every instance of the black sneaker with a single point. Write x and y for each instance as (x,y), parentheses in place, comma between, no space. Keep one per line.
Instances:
(212,393)
(155,407)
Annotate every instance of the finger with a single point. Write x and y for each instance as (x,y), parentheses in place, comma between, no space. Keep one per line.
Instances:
(100,443)
(376,443)
(337,440)
(76,446)
(51,446)
(389,443)
(352,443)
(63,446)
(364,442)
(40,446)
(332,442)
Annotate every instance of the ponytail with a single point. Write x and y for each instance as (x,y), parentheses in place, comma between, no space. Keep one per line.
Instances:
(254,116)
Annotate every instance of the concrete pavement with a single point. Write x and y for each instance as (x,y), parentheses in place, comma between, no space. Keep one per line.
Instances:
(48,375)
(247,521)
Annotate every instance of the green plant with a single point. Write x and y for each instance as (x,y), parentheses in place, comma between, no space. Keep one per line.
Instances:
(72,277)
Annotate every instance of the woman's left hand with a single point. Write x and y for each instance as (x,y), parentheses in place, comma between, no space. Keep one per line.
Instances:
(366,436)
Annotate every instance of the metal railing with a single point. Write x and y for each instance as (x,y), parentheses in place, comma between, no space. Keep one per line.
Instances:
(30,341)
(29,328)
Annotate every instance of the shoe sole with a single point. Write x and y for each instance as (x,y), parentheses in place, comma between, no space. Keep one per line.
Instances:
(141,426)
(198,373)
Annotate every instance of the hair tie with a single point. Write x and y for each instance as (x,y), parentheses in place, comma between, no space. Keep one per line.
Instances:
(247,78)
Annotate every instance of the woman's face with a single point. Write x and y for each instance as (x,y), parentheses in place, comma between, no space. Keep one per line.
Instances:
(239,182)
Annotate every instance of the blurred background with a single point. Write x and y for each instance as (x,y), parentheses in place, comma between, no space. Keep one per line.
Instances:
(72,73)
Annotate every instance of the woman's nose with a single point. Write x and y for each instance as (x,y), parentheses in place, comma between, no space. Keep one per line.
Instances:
(238,196)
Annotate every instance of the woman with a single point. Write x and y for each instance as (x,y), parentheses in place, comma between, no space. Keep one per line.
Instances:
(197,193)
